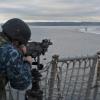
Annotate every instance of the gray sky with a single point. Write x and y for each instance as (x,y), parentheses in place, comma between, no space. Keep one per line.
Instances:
(58,10)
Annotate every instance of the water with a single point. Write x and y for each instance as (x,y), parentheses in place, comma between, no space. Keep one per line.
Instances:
(69,40)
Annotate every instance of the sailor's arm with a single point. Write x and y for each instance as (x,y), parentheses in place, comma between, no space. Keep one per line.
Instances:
(18,71)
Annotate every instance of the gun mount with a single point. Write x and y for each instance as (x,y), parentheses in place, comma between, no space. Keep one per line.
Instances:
(36,49)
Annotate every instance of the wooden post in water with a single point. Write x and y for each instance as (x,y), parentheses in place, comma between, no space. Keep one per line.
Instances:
(52,76)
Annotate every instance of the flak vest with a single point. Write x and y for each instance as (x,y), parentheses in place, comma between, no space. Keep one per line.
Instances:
(3,80)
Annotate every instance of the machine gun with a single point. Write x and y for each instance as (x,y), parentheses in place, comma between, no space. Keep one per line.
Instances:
(36,49)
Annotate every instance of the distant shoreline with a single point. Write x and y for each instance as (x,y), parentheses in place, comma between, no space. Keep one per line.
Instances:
(64,23)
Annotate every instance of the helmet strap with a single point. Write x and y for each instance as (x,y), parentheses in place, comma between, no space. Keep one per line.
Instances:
(4,35)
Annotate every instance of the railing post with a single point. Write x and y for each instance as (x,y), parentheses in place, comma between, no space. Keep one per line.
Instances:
(97,80)
(52,76)
(90,80)
(98,70)
(59,78)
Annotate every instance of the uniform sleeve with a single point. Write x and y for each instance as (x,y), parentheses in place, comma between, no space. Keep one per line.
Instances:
(18,71)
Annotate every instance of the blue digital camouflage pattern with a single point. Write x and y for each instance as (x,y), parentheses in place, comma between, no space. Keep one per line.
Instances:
(13,66)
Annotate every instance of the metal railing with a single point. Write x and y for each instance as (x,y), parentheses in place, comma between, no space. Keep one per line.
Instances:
(71,79)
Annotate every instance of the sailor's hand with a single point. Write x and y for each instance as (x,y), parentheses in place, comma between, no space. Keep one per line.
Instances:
(26,58)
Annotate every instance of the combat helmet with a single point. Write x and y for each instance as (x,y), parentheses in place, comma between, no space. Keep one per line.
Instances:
(16,29)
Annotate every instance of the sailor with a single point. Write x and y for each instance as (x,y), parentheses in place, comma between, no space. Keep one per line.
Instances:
(15,68)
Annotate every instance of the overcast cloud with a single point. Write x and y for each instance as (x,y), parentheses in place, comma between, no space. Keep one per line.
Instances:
(66,10)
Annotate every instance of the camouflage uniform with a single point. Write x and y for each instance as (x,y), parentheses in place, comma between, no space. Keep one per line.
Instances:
(12,67)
